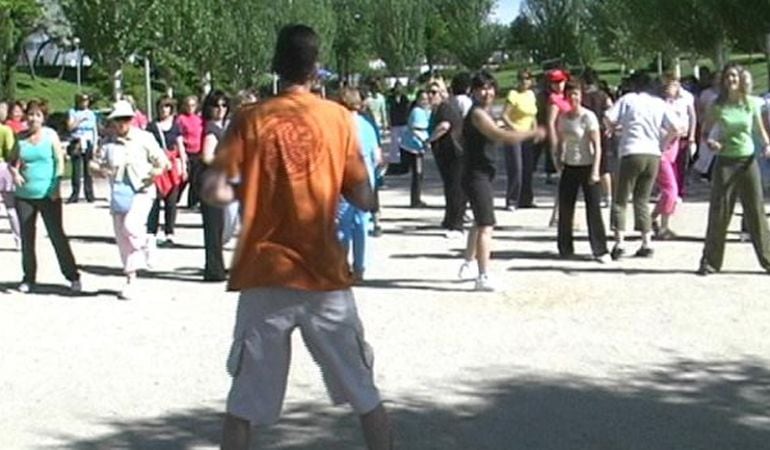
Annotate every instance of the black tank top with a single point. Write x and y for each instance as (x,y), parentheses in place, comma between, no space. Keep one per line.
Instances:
(479,151)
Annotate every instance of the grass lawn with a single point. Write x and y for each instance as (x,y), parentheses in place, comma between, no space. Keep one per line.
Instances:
(59,94)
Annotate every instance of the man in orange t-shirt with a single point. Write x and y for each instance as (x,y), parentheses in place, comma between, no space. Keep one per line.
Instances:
(289,159)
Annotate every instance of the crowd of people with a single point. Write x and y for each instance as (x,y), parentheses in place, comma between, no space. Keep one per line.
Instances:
(295,177)
(615,146)
(149,164)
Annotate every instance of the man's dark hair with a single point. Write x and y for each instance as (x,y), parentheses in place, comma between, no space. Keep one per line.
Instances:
(571,86)
(590,77)
(211,101)
(641,82)
(461,83)
(296,53)
(483,78)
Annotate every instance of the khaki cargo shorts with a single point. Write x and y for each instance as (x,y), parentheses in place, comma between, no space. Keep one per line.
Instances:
(261,350)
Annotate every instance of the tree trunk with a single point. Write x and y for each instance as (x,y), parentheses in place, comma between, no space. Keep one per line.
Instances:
(7,62)
(767,56)
(8,80)
(720,53)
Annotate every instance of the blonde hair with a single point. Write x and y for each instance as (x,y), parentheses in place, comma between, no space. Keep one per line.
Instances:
(440,85)
(351,98)
(186,101)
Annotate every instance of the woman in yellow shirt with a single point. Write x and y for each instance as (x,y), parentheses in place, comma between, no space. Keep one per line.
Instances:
(519,115)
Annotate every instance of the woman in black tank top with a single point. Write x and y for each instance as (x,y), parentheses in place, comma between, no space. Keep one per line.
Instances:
(480,134)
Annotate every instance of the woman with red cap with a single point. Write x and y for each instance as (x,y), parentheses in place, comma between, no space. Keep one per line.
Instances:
(557,105)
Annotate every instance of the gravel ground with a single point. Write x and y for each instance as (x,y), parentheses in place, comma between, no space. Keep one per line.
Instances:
(636,354)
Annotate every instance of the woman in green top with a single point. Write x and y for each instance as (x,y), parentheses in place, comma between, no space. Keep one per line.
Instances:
(734,123)
(37,165)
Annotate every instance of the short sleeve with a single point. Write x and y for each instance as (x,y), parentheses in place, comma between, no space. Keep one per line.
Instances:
(613,114)
(442,112)
(511,99)
(592,123)
(6,143)
(231,148)
(669,119)
(355,170)
(414,117)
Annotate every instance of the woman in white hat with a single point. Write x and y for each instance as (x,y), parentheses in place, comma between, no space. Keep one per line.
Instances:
(131,158)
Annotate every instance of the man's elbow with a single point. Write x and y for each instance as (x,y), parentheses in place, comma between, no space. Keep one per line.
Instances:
(362,197)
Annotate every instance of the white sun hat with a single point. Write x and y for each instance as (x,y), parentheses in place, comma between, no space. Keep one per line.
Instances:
(121,109)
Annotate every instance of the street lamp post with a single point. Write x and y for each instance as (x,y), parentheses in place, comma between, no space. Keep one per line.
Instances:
(76,41)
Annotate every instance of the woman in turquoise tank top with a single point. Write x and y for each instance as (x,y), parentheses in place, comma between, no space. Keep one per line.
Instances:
(37,165)
(734,123)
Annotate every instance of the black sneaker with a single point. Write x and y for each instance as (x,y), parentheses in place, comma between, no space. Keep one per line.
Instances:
(644,252)
(617,253)
(705,270)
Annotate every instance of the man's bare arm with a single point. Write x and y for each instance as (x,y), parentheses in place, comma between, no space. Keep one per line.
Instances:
(361,196)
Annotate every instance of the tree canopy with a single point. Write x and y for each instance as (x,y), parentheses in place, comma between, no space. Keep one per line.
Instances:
(232,42)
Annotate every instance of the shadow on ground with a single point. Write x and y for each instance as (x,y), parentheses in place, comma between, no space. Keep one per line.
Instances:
(685,405)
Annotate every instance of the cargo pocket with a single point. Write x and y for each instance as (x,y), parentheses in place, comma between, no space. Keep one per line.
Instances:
(365,351)
(234,358)
(245,348)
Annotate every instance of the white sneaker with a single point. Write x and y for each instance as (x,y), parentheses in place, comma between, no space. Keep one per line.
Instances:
(484,284)
(76,287)
(604,259)
(454,234)
(467,271)
(24,288)
(745,237)
(149,252)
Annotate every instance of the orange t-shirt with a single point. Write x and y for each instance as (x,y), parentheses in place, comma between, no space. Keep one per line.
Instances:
(294,155)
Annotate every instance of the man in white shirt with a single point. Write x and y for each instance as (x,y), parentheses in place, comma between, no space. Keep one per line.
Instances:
(646,125)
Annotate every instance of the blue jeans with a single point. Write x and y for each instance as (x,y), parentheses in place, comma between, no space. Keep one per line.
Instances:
(353,225)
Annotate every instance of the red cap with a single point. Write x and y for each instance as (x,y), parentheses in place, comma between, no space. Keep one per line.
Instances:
(557,76)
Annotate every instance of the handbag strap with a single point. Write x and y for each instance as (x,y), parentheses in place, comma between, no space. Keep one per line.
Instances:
(162,135)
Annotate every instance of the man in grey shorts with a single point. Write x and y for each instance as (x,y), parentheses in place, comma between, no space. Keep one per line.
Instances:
(288,160)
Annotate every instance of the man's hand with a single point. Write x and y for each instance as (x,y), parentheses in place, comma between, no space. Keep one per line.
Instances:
(595,178)
(714,145)
(540,134)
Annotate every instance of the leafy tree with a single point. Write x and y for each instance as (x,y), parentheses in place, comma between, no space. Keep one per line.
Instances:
(619,32)
(353,34)
(520,36)
(111,33)
(471,37)
(436,34)
(562,28)
(399,32)
(18,18)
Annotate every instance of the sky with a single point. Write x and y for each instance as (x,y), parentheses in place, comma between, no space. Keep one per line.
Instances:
(506,11)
